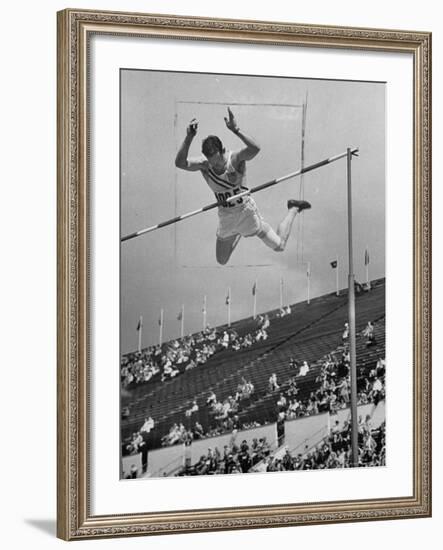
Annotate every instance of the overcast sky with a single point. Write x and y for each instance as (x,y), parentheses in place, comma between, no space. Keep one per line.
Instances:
(176,265)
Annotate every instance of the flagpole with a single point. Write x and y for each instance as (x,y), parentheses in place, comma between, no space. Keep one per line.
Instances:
(336,277)
(281,292)
(367,266)
(182,327)
(308,274)
(255,300)
(351,321)
(160,339)
(204,312)
(302,164)
(140,329)
(229,306)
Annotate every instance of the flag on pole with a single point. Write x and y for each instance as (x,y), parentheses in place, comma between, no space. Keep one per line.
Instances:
(228,303)
(160,324)
(254,288)
(204,312)
(308,276)
(228,297)
(181,318)
(366,257)
(334,265)
(139,330)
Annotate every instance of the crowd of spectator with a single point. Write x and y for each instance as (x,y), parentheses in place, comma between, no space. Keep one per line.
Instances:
(331,394)
(224,413)
(333,452)
(233,459)
(336,451)
(167,361)
(333,391)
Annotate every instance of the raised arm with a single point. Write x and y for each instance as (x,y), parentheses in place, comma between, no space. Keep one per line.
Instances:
(252,148)
(181,160)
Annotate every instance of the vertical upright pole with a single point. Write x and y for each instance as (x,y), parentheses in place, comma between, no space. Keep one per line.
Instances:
(351,321)
(308,274)
(255,300)
(204,312)
(337,277)
(140,329)
(367,265)
(281,292)
(229,306)
(182,327)
(300,239)
(160,336)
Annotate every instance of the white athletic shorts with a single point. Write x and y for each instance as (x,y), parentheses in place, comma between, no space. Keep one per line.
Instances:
(245,221)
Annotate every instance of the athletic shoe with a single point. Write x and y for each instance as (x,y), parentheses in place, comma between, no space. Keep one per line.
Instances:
(301,205)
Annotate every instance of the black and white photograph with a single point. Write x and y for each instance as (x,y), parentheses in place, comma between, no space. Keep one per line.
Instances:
(239,344)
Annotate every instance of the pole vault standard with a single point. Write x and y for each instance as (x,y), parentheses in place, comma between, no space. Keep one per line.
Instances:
(236,197)
(351,320)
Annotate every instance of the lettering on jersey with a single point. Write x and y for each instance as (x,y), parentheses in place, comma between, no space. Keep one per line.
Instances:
(222,198)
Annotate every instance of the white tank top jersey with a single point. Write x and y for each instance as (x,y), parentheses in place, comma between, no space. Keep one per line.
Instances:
(230,182)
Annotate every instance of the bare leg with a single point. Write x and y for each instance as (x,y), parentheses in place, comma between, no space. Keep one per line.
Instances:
(285,226)
(225,247)
(277,240)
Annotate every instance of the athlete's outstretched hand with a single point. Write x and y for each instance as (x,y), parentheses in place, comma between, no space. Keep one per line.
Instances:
(191,130)
(230,122)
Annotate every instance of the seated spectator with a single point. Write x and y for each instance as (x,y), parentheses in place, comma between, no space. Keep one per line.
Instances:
(358,287)
(247,341)
(198,430)
(261,335)
(192,364)
(369,334)
(311,407)
(273,384)
(192,410)
(148,425)
(225,341)
(304,369)
(136,443)
(282,402)
(244,390)
(212,399)
(294,405)
(376,393)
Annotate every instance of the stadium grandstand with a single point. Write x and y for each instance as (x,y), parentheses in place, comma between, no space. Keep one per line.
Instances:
(264,394)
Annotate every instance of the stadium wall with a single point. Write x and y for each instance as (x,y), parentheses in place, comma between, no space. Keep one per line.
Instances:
(308,431)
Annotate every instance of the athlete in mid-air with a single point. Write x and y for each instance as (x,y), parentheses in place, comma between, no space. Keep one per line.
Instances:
(225,173)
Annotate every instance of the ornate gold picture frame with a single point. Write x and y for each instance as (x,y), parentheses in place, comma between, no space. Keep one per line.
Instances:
(77,518)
